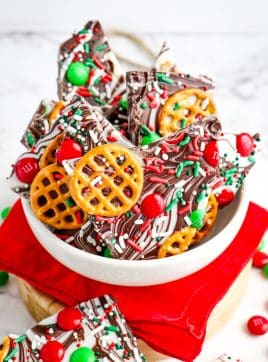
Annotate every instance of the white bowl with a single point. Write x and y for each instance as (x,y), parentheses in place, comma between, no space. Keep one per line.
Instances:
(145,272)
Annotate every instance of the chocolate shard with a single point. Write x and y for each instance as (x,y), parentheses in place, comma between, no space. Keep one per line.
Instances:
(95,329)
(88,67)
(165,102)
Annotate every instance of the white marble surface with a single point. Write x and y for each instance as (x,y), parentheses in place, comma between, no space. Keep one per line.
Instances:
(235,49)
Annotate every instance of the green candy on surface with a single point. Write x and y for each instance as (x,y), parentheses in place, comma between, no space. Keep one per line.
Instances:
(5,212)
(83,354)
(197,219)
(4,276)
(77,73)
(265,270)
(148,136)
(107,253)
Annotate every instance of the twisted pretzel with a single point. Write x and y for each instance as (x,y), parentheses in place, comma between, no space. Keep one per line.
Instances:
(107,181)
(177,243)
(51,199)
(178,107)
(49,155)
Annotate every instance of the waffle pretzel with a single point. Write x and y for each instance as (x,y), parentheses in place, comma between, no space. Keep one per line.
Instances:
(51,200)
(4,348)
(177,107)
(177,243)
(49,155)
(209,221)
(107,181)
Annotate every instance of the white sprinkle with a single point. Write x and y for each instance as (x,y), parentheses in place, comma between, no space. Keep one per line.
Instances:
(97,180)
(157,88)
(138,222)
(98,248)
(187,220)
(118,249)
(202,171)
(33,345)
(180,184)
(77,117)
(121,241)
(149,87)
(165,156)
(202,146)
(93,136)
(157,151)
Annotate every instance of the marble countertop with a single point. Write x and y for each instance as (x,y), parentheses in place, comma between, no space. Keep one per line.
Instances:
(238,59)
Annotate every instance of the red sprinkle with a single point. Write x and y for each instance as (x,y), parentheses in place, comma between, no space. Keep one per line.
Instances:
(57,176)
(79,216)
(145,224)
(83,92)
(112,138)
(90,76)
(176,140)
(184,209)
(217,184)
(198,153)
(136,209)
(97,62)
(195,143)
(192,158)
(158,180)
(171,172)
(134,245)
(150,96)
(153,104)
(164,148)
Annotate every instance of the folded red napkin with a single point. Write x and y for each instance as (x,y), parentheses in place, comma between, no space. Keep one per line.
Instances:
(170,317)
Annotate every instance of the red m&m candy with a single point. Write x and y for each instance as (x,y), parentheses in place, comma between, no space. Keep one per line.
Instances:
(152,205)
(257,325)
(211,153)
(69,319)
(52,351)
(225,197)
(68,149)
(26,169)
(244,144)
(260,259)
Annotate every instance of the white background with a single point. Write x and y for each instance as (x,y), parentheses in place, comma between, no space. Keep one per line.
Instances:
(228,39)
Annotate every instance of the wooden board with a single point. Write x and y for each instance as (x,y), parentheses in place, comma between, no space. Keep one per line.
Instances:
(41,306)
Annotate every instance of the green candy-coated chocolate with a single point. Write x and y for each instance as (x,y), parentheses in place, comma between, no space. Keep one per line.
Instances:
(5,212)
(83,354)
(77,73)
(265,270)
(3,278)
(148,136)
(197,218)
(107,253)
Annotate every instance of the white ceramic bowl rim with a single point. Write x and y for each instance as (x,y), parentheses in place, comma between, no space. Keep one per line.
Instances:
(133,264)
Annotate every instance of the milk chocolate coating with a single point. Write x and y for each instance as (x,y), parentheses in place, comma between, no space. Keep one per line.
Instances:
(140,84)
(103,329)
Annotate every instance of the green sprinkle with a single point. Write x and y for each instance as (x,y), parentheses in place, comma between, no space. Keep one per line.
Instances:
(86,48)
(5,212)
(200,197)
(78,112)
(185,141)
(112,328)
(143,105)
(99,101)
(101,47)
(4,277)
(188,163)
(83,31)
(265,270)
(196,169)
(197,218)
(97,80)
(92,91)
(176,106)
(21,338)
(179,169)
(183,122)
(172,203)
(90,63)
(163,78)
(123,103)
(11,354)
(251,159)
(113,241)
(30,139)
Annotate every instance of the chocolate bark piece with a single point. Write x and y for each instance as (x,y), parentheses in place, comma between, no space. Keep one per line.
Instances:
(39,125)
(149,91)
(95,328)
(88,67)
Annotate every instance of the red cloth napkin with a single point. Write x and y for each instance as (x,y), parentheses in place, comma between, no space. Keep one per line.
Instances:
(170,317)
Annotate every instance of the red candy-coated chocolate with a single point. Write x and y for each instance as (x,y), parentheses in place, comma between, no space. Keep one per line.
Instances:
(260,259)
(152,205)
(52,351)
(225,197)
(211,153)
(68,149)
(26,169)
(69,319)
(244,144)
(258,325)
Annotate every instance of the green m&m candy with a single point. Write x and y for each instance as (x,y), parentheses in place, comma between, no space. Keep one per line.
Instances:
(77,73)
(83,354)
(107,253)
(3,278)
(265,270)
(197,218)
(5,212)
(148,136)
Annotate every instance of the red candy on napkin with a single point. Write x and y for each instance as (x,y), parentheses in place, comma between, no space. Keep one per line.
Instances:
(171,317)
